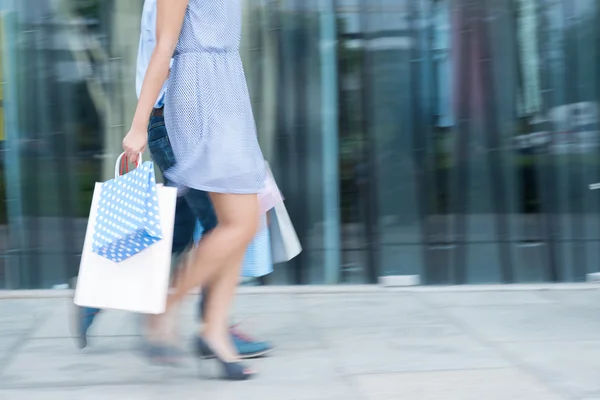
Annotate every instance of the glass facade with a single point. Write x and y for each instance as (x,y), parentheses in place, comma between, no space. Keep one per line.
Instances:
(454,140)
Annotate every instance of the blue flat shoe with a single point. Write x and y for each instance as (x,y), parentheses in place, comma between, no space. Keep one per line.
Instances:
(246,347)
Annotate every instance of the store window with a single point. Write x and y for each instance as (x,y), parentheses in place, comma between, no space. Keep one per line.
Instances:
(453,141)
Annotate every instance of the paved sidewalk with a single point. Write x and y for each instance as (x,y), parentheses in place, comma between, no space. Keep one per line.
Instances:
(364,344)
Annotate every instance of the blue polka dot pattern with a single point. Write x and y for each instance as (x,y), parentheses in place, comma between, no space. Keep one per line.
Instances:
(128,219)
(208,114)
(258,260)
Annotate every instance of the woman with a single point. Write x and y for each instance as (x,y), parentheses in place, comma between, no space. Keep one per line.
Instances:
(211,129)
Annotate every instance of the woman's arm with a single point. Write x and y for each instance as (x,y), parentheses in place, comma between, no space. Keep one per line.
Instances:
(169,19)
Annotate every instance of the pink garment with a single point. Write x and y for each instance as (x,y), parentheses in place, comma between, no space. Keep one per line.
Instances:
(270,195)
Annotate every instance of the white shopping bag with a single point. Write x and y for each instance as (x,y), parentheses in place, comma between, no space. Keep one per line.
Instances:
(139,283)
(269,194)
(285,244)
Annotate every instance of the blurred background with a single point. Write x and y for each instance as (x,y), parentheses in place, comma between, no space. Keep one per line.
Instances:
(450,139)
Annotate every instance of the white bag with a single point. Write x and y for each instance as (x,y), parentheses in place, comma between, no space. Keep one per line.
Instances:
(138,284)
(269,194)
(285,244)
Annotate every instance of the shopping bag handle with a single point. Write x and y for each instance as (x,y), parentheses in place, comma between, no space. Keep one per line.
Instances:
(123,165)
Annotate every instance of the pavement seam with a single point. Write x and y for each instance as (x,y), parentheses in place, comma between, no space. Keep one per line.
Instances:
(562,303)
(506,356)
(320,337)
(341,289)
(344,376)
(63,385)
(430,371)
(14,351)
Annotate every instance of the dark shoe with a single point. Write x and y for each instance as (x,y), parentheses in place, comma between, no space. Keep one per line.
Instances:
(84,318)
(233,371)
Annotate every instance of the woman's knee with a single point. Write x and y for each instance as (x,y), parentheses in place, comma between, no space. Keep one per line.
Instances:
(243,229)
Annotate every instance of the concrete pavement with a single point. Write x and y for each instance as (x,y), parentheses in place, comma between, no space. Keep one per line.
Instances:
(357,343)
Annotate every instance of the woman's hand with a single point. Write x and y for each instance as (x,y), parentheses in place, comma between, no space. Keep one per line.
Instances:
(134,143)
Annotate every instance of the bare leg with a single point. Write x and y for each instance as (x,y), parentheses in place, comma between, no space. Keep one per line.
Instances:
(223,248)
(162,328)
(172,316)
(218,303)
(217,260)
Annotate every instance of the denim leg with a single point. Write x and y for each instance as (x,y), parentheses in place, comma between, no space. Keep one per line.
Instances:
(185,223)
(162,154)
(201,205)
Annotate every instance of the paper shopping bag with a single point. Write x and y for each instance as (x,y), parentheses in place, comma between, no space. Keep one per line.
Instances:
(269,195)
(285,244)
(127,216)
(139,283)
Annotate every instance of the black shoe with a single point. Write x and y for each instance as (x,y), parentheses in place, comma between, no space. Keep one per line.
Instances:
(233,371)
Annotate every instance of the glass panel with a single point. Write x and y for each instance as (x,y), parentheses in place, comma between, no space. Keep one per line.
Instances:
(65,111)
(354,168)
(452,139)
(5,245)
(297,121)
(396,135)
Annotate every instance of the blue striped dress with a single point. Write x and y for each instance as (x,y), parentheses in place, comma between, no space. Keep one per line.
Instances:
(207,109)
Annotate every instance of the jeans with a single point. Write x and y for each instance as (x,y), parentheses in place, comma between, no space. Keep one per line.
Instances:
(194,204)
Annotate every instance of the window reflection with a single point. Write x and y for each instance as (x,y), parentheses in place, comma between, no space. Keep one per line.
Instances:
(453,140)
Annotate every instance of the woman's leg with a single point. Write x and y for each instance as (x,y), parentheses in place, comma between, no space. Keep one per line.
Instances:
(172,315)
(217,307)
(224,247)
(218,259)
(162,333)
(240,214)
